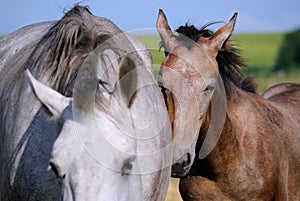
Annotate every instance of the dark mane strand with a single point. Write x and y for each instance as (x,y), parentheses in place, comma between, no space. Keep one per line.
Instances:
(193,33)
(60,53)
(229,60)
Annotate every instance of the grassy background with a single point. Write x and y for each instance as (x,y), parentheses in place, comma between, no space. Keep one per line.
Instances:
(173,192)
(259,50)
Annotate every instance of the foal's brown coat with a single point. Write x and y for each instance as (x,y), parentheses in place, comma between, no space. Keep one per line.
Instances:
(258,154)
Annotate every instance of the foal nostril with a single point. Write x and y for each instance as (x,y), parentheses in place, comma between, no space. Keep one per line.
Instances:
(188,160)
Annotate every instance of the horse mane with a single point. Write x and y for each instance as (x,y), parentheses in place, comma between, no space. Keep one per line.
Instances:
(229,60)
(59,54)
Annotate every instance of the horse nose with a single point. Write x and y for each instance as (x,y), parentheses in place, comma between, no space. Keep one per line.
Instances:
(181,169)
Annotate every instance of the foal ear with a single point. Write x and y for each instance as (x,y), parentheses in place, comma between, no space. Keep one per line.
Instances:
(164,29)
(54,101)
(222,35)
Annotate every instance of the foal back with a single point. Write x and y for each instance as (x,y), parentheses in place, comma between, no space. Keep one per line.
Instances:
(286,97)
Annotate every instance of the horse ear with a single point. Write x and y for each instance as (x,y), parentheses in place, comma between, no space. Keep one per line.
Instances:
(85,85)
(127,84)
(54,101)
(108,72)
(164,29)
(222,35)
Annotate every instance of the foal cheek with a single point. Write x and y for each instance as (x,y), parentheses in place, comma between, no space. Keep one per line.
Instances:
(171,111)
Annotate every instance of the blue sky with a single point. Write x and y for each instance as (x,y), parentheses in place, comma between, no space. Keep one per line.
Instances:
(129,15)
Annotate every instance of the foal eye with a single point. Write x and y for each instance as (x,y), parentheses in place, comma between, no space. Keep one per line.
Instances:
(209,88)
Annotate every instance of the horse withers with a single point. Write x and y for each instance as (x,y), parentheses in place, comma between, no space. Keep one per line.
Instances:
(241,146)
(86,120)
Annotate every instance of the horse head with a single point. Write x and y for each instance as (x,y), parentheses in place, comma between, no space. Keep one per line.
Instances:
(189,77)
(95,152)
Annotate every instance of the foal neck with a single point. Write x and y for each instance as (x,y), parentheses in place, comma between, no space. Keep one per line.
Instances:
(238,106)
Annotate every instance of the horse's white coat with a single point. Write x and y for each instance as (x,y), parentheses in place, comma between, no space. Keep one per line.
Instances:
(28,134)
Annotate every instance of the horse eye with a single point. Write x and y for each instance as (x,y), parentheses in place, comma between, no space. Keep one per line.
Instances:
(127,167)
(52,166)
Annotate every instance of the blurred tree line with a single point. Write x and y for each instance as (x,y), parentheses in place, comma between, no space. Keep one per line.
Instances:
(289,53)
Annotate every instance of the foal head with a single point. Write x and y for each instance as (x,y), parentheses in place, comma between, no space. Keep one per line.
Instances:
(189,76)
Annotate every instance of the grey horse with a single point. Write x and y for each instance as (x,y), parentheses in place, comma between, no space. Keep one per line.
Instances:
(86,121)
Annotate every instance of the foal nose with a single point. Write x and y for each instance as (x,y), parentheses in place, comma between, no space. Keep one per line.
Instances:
(181,169)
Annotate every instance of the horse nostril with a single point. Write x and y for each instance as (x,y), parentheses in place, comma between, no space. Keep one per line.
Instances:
(188,160)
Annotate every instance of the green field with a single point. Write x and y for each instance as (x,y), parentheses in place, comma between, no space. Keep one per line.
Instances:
(260,50)
(152,43)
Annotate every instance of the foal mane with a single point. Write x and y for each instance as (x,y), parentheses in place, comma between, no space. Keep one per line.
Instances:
(229,60)
(60,53)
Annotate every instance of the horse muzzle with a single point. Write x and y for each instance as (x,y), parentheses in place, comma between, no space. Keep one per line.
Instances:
(182,167)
